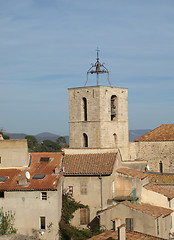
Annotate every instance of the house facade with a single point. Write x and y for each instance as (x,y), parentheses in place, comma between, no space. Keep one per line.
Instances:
(34,195)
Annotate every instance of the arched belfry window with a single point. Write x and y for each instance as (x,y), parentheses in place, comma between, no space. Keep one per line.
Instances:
(113,107)
(84,109)
(85,140)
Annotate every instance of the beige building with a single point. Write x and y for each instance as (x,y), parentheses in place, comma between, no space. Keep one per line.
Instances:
(144,218)
(34,194)
(89,179)
(157,148)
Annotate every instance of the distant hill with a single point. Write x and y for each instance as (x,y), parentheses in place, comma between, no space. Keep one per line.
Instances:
(40,137)
(133,134)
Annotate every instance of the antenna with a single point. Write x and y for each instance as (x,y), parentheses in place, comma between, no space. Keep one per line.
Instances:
(99,68)
(27,174)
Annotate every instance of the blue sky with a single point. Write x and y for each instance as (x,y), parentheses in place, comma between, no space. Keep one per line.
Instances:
(48,46)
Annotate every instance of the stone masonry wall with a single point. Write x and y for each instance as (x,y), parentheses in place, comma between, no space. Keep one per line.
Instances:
(101,131)
(153,153)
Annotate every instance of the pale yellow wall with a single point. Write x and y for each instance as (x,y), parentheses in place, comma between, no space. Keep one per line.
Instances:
(99,127)
(124,186)
(14,153)
(28,207)
(157,199)
(93,197)
(153,153)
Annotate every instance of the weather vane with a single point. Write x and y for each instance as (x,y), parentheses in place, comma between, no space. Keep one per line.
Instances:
(97,68)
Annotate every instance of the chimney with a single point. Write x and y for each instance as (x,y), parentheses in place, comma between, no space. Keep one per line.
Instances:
(122,232)
(56,170)
(22,181)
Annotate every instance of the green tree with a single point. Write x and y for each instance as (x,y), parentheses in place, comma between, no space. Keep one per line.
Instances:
(6,222)
(66,230)
(49,146)
(33,144)
(4,136)
(61,140)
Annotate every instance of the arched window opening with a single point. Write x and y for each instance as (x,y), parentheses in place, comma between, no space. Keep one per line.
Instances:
(85,109)
(85,140)
(161,166)
(113,107)
(115,139)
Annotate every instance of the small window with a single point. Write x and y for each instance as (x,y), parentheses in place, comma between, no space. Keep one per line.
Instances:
(83,188)
(113,107)
(42,223)
(84,109)
(39,176)
(157,226)
(161,166)
(44,159)
(2,194)
(113,226)
(3,179)
(85,140)
(44,195)
(129,224)
(84,216)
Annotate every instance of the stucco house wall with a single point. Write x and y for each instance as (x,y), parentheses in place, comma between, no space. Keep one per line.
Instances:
(160,200)
(142,222)
(29,207)
(124,186)
(98,193)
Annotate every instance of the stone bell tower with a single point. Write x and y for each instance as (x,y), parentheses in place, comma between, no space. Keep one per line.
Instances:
(98,115)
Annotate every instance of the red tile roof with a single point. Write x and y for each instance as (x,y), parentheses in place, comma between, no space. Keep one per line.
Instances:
(109,235)
(132,173)
(149,209)
(49,182)
(169,193)
(164,132)
(161,179)
(89,164)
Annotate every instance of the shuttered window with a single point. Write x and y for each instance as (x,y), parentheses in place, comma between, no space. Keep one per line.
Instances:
(129,224)
(83,188)
(84,216)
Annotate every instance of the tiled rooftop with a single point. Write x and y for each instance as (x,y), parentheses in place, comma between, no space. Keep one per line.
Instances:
(161,179)
(110,235)
(164,132)
(89,164)
(169,193)
(49,182)
(132,173)
(149,209)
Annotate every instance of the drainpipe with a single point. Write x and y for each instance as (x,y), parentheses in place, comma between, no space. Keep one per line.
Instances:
(101,191)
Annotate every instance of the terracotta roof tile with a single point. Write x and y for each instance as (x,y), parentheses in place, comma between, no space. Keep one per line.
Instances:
(164,132)
(161,179)
(89,164)
(129,236)
(49,182)
(149,209)
(132,173)
(169,193)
